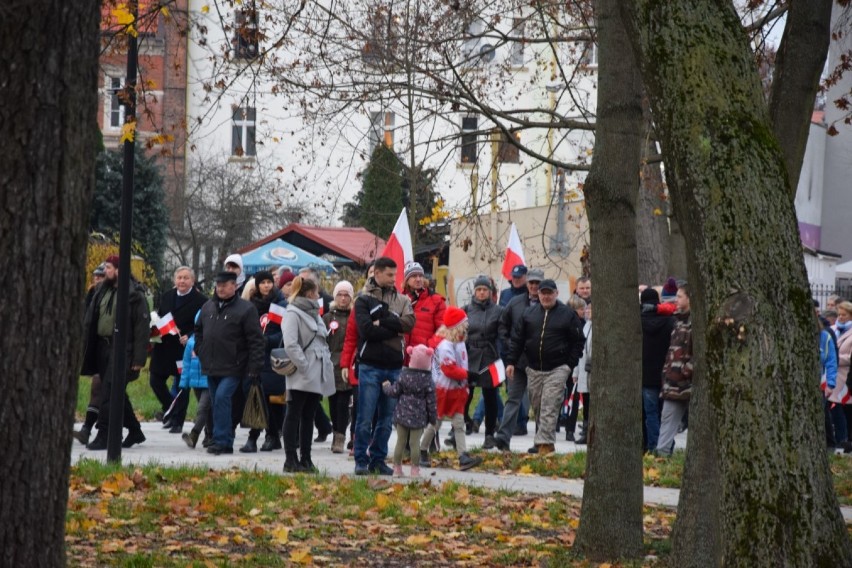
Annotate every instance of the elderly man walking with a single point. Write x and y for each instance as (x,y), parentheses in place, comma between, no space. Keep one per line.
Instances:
(551,336)
(230,345)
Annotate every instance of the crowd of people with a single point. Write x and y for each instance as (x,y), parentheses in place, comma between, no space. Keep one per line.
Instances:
(388,358)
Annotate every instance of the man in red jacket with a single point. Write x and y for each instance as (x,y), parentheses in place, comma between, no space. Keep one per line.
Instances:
(428,306)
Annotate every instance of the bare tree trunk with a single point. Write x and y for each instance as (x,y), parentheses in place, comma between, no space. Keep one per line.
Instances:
(48,100)
(611,515)
(652,229)
(751,299)
(677,249)
(799,63)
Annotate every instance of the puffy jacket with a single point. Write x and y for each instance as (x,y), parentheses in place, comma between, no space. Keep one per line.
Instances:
(450,374)
(511,293)
(844,345)
(137,340)
(828,358)
(416,393)
(350,350)
(191,377)
(482,336)
(336,321)
(550,338)
(382,345)
(429,309)
(656,336)
(677,370)
(228,339)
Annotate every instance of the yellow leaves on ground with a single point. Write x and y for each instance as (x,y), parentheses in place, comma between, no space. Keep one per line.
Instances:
(382,501)
(301,556)
(281,535)
(525,470)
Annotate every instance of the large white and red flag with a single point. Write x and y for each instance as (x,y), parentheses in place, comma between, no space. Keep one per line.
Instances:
(399,247)
(514,253)
(276,313)
(166,325)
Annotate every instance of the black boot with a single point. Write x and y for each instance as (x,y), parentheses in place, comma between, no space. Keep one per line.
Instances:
(424,459)
(581,437)
(83,435)
(291,463)
(306,465)
(100,441)
(250,446)
(133,437)
(271,443)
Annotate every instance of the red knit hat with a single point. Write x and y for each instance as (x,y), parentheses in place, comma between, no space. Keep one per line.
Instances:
(454,316)
(113,260)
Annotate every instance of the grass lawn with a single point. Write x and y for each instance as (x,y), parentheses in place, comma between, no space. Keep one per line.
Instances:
(155,516)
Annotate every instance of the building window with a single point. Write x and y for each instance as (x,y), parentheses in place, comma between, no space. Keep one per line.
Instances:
(243,133)
(115,110)
(383,37)
(381,129)
(245,32)
(517,55)
(589,56)
(469,139)
(507,152)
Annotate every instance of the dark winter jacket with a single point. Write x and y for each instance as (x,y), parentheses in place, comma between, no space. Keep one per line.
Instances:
(228,339)
(271,330)
(382,345)
(513,312)
(183,310)
(511,293)
(139,332)
(677,370)
(550,338)
(429,309)
(482,336)
(417,405)
(336,321)
(656,335)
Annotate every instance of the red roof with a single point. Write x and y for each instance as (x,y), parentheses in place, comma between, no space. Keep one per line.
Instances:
(355,243)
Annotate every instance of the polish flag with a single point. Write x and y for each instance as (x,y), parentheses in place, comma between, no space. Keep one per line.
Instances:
(399,247)
(166,325)
(179,364)
(514,253)
(276,313)
(321,306)
(497,370)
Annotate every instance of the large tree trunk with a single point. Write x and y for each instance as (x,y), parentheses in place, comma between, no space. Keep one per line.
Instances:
(48,100)
(611,515)
(795,80)
(755,328)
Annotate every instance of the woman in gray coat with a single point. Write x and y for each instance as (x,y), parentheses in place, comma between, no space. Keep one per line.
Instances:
(304,336)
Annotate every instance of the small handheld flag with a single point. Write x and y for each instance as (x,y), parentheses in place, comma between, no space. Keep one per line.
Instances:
(166,325)
(497,370)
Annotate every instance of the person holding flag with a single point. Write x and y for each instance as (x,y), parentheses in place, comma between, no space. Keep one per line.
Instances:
(270,305)
(483,330)
(514,269)
(176,315)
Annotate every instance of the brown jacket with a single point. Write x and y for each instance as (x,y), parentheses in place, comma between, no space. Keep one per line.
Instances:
(677,370)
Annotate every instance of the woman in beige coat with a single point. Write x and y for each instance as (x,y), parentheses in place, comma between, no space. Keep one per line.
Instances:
(844,346)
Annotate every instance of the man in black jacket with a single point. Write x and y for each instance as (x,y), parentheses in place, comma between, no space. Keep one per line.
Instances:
(97,358)
(656,335)
(182,302)
(551,336)
(383,317)
(517,385)
(230,346)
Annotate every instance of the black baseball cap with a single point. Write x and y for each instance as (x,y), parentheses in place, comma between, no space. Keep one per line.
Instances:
(547,284)
(225,277)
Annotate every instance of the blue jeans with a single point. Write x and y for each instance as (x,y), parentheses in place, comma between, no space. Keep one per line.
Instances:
(651,408)
(222,390)
(371,399)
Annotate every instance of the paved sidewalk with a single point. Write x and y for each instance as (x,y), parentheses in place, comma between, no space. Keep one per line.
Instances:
(169,450)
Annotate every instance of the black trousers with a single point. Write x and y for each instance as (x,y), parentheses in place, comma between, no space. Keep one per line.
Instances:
(338,405)
(105,371)
(159,384)
(299,422)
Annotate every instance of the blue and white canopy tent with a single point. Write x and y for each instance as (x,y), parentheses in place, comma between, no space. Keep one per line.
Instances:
(280,253)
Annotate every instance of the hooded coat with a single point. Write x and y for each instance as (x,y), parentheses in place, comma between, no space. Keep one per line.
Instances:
(305,339)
